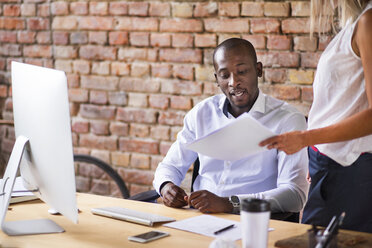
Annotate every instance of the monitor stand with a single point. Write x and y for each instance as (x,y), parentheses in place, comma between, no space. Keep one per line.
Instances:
(22,227)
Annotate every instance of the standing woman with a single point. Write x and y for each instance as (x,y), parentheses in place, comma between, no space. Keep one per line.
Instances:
(339,134)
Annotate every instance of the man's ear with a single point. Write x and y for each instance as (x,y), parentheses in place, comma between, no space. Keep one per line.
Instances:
(259,69)
(215,76)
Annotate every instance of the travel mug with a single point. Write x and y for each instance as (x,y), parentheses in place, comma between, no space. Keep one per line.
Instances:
(254,217)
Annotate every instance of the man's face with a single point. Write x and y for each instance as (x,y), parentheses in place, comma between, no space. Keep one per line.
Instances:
(237,76)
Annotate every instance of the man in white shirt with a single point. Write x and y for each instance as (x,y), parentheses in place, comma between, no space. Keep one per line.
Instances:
(221,185)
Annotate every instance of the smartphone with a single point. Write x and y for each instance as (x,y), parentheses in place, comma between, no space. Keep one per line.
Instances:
(148,236)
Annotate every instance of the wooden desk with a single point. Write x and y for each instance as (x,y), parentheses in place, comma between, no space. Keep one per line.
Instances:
(97,231)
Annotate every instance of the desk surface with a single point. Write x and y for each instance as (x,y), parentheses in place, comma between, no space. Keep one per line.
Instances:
(98,231)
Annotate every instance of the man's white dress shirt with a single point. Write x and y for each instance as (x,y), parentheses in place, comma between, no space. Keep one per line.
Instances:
(271,175)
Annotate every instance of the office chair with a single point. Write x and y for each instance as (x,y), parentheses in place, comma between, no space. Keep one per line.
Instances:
(107,169)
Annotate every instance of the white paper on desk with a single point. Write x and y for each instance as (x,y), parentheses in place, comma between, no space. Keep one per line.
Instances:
(236,140)
(207,225)
(18,186)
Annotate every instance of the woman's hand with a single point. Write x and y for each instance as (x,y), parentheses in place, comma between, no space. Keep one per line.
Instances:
(289,143)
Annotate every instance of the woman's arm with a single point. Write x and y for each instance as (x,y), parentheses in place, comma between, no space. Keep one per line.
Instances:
(355,126)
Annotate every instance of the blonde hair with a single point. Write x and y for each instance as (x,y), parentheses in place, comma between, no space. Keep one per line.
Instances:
(324,13)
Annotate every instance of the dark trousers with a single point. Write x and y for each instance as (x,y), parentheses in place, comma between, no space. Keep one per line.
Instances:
(335,189)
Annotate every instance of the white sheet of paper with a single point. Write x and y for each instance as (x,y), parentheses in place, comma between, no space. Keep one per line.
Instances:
(18,186)
(236,140)
(207,225)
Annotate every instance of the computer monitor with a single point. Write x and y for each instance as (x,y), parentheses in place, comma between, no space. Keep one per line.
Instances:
(43,148)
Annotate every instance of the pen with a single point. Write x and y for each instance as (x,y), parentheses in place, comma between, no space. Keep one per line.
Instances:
(223,229)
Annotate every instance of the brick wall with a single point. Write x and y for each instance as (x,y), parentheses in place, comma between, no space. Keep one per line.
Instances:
(136,67)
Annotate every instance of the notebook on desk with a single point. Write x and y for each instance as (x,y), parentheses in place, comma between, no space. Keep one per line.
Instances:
(130,215)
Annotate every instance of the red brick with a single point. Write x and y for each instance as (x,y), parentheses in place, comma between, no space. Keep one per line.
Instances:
(79,38)
(180,55)
(284,92)
(180,25)
(139,85)
(117,98)
(278,42)
(155,160)
(98,142)
(99,127)
(43,38)
(136,115)
(79,8)
(141,146)
(296,25)
(99,82)
(140,70)
(307,94)
(258,41)
(252,9)
(3,91)
(96,23)
(43,9)
(180,102)
(210,89)
(171,118)
(78,95)
(279,59)
(140,161)
(160,132)
(304,43)
(59,8)
(73,80)
(11,23)
(60,38)
(310,60)
(28,9)
(11,10)
(138,8)
(97,112)
(37,51)
(80,126)
(205,40)
(183,72)
(139,39)
(118,38)
(228,9)
(119,128)
(275,75)
(64,23)
(65,52)
(8,36)
(137,176)
(164,148)
(81,66)
(300,8)
(182,40)
(101,68)
(98,8)
(323,42)
(159,9)
(97,38)
(136,24)
(118,68)
(118,8)
(159,102)
(97,52)
(38,24)
(161,70)
(205,9)
(139,130)
(240,25)
(160,39)
(137,100)
(63,65)
(98,97)
(266,25)
(276,9)
(181,87)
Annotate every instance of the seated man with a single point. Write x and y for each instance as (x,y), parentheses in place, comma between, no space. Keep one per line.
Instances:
(221,185)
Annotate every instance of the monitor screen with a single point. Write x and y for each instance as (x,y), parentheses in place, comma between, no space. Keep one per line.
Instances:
(41,115)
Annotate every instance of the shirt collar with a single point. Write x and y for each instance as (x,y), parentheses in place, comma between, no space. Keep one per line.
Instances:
(258,106)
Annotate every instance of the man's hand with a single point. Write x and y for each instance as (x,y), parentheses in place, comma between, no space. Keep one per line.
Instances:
(208,202)
(173,196)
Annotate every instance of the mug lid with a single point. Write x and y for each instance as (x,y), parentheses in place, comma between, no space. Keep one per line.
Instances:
(255,205)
